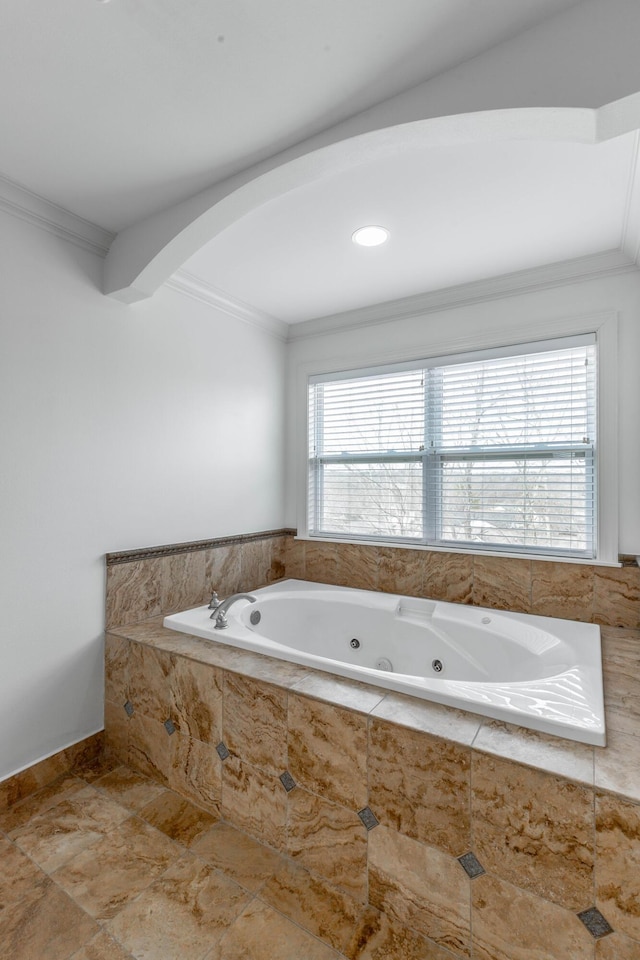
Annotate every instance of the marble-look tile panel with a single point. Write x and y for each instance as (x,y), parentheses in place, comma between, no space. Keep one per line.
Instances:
(294,559)
(102,947)
(116,732)
(401,571)
(255,722)
(196,772)
(617,947)
(321,562)
(260,933)
(502,583)
(196,699)
(534,830)
(19,876)
(617,596)
(329,840)
(23,784)
(134,590)
(191,906)
(510,924)
(422,715)
(566,758)
(420,887)
(128,788)
(45,924)
(328,750)
(62,788)
(116,662)
(618,863)
(223,571)
(150,748)
(113,872)
(312,903)
(448,576)
(419,785)
(73,824)
(149,670)
(183,583)
(357,566)
(621,671)
(260,564)
(255,801)
(237,855)
(562,590)
(380,937)
(617,767)
(178,818)
(340,691)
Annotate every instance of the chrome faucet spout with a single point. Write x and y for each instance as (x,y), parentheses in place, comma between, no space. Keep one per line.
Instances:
(220,612)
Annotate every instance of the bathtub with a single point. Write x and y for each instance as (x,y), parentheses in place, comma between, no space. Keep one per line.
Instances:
(538,672)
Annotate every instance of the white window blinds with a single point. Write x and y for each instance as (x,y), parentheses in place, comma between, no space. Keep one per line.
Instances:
(493,449)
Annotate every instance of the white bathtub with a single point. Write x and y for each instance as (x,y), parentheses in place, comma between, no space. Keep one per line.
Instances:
(538,672)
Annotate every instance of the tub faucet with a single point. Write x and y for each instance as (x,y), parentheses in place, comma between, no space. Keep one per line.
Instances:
(220,613)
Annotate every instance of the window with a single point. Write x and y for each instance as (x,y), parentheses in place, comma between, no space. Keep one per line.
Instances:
(492,450)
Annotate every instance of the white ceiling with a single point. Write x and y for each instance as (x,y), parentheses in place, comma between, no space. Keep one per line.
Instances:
(115,110)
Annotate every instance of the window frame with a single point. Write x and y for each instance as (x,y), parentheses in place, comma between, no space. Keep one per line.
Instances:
(603,326)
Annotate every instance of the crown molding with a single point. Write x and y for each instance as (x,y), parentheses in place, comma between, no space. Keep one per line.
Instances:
(608,263)
(191,286)
(40,212)
(630,240)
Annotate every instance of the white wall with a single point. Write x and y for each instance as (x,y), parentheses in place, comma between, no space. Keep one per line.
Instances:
(120,427)
(518,318)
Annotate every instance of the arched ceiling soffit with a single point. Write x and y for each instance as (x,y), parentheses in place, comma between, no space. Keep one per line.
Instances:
(143,256)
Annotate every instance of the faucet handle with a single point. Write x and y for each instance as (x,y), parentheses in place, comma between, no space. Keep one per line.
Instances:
(214,603)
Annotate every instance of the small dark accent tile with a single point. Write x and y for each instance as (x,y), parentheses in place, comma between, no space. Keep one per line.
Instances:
(471,865)
(128,708)
(597,925)
(368,818)
(287,781)
(170,726)
(222,751)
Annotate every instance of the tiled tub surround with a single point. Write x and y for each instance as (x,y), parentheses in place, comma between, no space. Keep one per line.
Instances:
(374,801)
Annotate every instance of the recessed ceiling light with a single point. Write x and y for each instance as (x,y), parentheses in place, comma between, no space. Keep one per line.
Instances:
(370,236)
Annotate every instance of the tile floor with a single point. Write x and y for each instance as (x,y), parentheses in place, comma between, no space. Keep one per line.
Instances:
(108,865)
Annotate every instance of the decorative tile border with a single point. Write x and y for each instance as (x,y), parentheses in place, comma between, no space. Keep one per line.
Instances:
(172,549)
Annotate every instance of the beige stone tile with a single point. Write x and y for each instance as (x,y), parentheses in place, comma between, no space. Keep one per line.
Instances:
(357,566)
(73,824)
(181,915)
(502,583)
(261,933)
(419,785)
(446,722)
(23,784)
(149,691)
(150,748)
(329,840)
(328,750)
(540,750)
(183,584)
(41,800)
(116,668)
(621,672)
(312,903)
(268,669)
(90,764)
(617,596)
(196,772)
(45,925)
(421,887)
(128,788)
(134,591)
(116,730)
(510,924)
(255,563)
(617,766)
(148,631)
(340,691)
(401,571)
(19,876)
(113,872)
(255,722)
(321,562)
(562,590)
(277,569)
(294,559)
(618,863)
(178,818)
(617,947)
(237,855)
(379,937)
(223,571)
(255,801)
(102,947)
(196,699)
(448,576)
(533,829)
